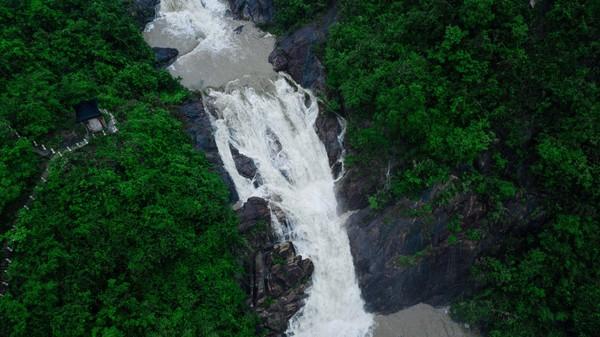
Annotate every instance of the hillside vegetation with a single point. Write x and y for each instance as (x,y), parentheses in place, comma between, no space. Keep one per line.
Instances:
(504,97)
(434,88)
(131,235)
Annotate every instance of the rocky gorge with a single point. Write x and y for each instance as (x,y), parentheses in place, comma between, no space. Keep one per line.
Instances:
(403,255)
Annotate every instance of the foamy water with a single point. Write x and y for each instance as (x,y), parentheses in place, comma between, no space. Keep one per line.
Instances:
(270,119)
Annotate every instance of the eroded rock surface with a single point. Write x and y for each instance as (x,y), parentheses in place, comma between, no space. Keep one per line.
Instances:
(254,211)
(409,253)
(277,276)
(197,124)
(297,52)
(329,129)
(279,284)
(244,165)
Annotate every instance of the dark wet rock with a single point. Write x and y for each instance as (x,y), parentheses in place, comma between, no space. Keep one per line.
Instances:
(277,276)
(164,57)
(329,130)
(239,29)
(296,53)
(257,11)
(255,210)
(357,185)
(280,280)
(197,124)
(144,11)
(244,165)
(295,56)
(404,256)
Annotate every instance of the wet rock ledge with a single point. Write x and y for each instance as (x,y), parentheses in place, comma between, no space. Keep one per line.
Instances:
(277,277)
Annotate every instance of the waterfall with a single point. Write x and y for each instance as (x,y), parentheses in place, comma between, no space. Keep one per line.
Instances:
(270,119)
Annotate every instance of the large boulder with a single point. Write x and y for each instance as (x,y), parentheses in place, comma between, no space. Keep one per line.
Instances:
(254,211)
(197,124)
(409,253)
(164,57)
(257,11)
(280,280)
(244,165)
(277,276)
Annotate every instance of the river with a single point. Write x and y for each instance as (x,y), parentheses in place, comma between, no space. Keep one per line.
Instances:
(269,118)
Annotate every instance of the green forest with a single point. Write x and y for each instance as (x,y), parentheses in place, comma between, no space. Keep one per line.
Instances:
(131,235)
(434,86)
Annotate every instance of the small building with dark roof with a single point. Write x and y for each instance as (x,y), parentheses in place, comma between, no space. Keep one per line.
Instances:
(89,113)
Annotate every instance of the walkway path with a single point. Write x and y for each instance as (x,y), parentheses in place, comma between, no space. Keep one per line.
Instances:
(51,154)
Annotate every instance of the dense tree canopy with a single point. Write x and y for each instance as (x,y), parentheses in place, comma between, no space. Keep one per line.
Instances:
(131,235)
(290,14)
(431,88)
(17,165)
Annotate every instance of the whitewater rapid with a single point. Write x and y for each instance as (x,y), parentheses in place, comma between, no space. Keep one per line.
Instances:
(270,119)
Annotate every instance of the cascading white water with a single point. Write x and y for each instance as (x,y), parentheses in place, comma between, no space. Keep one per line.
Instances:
(270,119)
(273,125)
(211,53)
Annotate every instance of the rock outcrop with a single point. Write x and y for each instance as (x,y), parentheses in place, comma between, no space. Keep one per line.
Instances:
(143,11)
(329,130)
(164,57)
(409,253)
(355,188)
(244,165)
(276,276)
(257,11)
(280,279)
(296,53)
(197,124)
(254,211)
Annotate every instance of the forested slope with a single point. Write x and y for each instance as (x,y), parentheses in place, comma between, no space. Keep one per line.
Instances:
(131,235)
(492,97)
(504,97)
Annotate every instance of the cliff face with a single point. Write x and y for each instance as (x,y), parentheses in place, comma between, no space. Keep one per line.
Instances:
(408,253)
(297,52)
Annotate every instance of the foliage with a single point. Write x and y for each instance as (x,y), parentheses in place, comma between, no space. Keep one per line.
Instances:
(291,13)
(504,97)
(548,291)
(18,164)
(131,235)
